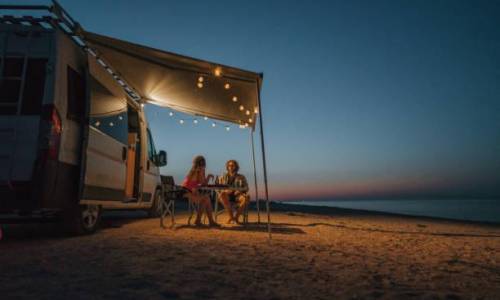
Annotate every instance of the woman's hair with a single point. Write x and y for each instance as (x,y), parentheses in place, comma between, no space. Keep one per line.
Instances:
(198,162)
(236,165)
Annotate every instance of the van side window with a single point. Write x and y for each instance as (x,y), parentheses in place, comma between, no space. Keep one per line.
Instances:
(115,125)
(151,147)
(76,95)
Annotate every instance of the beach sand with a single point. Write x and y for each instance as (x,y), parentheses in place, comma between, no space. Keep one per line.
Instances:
(338,254)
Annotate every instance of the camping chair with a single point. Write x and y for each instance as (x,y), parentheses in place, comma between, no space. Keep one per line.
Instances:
(172,192)
(217,212)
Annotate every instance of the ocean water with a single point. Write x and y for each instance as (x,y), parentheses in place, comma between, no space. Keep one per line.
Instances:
(470,209)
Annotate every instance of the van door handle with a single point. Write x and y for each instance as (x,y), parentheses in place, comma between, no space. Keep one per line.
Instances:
(124,153)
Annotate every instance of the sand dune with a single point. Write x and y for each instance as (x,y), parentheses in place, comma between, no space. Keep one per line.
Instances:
(341,254)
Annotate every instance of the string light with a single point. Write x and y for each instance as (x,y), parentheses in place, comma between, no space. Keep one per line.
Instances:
(256,110)
(247,112)
(218,72)
(120,118)
(228,128)
(250,120)
(171,114)
(235,99)
(97,123)
(242,126)
(111,124)
(227,86)
(213,124)
(181,121)
(142,104)
(200,79)
(205,118)
(200,85)
(195,121)
(242,107)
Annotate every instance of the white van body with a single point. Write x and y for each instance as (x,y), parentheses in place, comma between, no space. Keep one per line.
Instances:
(68,131)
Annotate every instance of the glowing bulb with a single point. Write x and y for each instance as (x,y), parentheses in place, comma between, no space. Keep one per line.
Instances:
(218,71)
(120,118)
(227,128)
(111,124)
(227,86)
(195,121)
(200,85)
(235,99)
(250,120)
(181,121)
(242,126)
(213,124)
(246,124)
(205,118)
(242,107)
(200,79)
(171,114)
(256,110)
(247,112)
(142,104)
(97,124)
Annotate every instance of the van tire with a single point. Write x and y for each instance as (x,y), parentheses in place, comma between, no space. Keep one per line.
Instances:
(82,219)
(155,210)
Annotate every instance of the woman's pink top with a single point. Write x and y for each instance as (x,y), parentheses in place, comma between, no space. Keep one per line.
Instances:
(190,184)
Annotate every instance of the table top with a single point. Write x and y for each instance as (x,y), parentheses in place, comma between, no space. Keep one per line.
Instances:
(221,187)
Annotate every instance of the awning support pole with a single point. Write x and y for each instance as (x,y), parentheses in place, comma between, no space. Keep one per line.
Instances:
(264,166)
(255,177)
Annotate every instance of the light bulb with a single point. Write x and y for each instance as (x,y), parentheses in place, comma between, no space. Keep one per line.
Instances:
(213,124)
(200,79)
(235,99)
(200,85)
(195,121)
(242,107)
(227,86)
(218,71)
(171,114)
(205,118)
(250,120)
(247,112)
(111,124)
(142,104)
(242,126)
(97,124)
(246,124)
(227,128)
(256,110)
(181,121)
(120,118)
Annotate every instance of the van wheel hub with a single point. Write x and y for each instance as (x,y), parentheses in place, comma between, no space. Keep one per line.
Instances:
(90,215)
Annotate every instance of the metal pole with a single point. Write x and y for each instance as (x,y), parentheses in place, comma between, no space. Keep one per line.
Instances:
(255,177)
(264,162)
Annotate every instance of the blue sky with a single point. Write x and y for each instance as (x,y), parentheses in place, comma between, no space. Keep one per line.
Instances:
(360,98)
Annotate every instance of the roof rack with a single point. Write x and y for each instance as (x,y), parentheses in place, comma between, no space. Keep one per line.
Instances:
(59,19)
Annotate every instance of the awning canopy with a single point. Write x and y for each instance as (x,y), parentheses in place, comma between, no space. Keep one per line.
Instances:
(182,83)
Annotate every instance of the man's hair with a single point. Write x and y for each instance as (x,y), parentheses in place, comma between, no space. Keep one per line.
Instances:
(236,164)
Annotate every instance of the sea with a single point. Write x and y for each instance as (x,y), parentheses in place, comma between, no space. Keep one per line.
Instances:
(485,210)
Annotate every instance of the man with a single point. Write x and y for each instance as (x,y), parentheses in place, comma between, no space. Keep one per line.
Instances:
(240,197)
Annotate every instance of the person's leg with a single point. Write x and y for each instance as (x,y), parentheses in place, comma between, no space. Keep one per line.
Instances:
(196,200)
(243,201)
(224,199)
(208,210)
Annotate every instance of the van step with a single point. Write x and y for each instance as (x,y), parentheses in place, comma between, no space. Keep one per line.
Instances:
(130,200)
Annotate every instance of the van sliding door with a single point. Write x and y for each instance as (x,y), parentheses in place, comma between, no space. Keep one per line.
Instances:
(105,146)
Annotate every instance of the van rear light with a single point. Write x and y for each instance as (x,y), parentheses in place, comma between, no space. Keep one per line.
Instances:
(51,115)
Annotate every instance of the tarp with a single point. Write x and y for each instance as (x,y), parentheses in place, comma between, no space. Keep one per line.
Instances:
(182,83)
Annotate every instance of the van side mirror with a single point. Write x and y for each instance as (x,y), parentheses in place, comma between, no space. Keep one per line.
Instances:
(161,159)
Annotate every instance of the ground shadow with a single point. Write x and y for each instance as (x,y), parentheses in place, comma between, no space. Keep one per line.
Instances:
(276,228)
(445,234)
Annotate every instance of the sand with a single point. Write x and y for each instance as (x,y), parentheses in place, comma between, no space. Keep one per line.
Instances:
(339,254)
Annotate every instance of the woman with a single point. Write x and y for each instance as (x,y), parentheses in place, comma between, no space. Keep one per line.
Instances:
(195,178)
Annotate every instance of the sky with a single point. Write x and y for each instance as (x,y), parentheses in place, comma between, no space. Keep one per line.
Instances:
(360,99)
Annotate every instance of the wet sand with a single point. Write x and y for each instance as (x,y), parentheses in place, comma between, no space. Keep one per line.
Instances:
(314,254)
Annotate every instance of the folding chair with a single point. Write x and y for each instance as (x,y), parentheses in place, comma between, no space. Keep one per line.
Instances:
(234,208)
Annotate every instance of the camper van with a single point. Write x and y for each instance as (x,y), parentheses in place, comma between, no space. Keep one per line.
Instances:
(73,142)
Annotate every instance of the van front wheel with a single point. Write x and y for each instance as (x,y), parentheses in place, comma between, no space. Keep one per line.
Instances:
(83,219)
(156,208)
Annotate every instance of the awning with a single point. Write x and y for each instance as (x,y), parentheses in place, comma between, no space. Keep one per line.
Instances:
(182,83)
